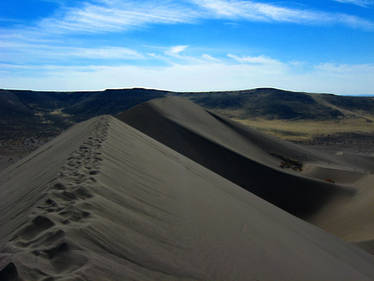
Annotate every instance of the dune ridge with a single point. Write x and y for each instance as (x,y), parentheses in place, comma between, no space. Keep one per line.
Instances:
(244,156)
(57,207)
(331,191)
(114,204)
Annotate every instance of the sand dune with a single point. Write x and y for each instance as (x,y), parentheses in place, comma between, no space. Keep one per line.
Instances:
(103,201)
(330,191)
(244,156)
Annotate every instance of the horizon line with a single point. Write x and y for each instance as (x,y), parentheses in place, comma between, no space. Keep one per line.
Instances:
(184,92)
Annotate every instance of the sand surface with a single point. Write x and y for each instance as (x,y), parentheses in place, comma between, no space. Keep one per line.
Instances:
(333,191)
(103,201)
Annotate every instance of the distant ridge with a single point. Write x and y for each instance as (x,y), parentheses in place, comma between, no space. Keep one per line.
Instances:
(103,201)
(30,118)
(50,112)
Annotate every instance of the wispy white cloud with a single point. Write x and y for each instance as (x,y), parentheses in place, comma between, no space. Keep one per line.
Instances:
(254,60)
(36,52)
(15,52)
(176,50)
(258,11)
(104,53)
(346,69)
(210,58)
(102,16)
(198,75)
(175,55)
(361,3)
(114,16)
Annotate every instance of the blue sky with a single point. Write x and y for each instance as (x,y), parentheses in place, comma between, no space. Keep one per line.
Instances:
(188,45)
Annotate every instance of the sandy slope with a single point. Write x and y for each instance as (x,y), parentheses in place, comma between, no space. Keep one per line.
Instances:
(105,202)
(252,160)
(244,156)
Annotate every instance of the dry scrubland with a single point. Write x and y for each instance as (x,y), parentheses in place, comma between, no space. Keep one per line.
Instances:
(336,119)
(308,130)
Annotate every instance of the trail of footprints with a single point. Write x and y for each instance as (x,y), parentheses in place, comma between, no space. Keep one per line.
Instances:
(63,207)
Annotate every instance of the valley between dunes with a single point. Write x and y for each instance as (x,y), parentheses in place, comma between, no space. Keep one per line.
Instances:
(172,191)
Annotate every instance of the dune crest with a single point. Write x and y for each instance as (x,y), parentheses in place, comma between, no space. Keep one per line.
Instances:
(261,164)
(333,192)
(58,208)
(113,204)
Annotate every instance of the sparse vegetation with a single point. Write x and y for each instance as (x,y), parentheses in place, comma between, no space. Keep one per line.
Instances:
(310,130)
(330,180)
(287,163)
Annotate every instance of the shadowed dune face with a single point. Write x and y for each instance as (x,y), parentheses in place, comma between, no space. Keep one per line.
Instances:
(244,156)
(105,202)
(332,191)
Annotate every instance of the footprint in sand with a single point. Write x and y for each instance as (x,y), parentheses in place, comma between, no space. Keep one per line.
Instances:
(44,235)
(45,239)
(37,225)
(73,214)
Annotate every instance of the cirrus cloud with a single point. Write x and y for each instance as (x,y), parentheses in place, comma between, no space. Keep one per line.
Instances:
(362,3)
